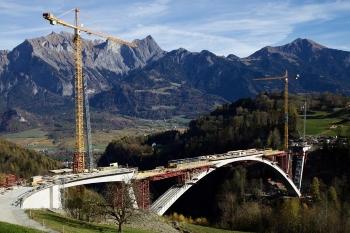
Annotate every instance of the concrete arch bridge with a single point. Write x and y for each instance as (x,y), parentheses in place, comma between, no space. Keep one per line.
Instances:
(189,171)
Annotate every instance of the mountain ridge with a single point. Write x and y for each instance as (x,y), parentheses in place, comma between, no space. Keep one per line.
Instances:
(149,82)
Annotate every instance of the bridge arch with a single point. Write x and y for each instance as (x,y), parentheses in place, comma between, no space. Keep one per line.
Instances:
(165,201)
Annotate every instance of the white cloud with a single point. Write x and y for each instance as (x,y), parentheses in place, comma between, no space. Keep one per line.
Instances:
(222,27)
(239,32)
(270,24)
(142,9)
(16,31)
(13,8)
(171,38)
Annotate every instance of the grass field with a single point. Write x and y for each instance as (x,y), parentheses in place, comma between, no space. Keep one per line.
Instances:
(38,138)
(33,139)
(324,123)
(59,223)
(318,123)
(202,229)
(63,224)
(11,228)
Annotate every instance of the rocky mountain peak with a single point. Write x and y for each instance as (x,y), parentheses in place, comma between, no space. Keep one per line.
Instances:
(232,57)
(153,82)
(149,42)
(297,48)
(178,55)
(148,48)
(103,61)
(180,52)
(300,42)
(20,55)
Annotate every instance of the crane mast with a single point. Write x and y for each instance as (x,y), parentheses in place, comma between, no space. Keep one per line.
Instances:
(286,104)
(80,90)
(79,154)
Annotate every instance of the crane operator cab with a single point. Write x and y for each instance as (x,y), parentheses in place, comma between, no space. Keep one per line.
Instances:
(49,17)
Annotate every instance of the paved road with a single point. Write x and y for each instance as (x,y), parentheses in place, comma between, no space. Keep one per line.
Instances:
(14,214)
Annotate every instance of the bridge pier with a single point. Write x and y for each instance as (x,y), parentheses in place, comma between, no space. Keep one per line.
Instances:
(142,194)
(49,198)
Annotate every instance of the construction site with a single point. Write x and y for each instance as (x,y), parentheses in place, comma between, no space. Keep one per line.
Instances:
(48,192)
(83,165)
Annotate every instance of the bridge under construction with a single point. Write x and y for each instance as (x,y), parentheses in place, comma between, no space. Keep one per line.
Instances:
(188,172)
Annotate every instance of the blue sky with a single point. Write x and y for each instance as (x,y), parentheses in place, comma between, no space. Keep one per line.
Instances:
(224,27)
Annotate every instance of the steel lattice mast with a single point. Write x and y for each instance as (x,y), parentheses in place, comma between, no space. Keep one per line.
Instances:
(79,153)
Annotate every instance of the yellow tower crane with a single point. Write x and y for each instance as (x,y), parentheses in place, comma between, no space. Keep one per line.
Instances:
(79,154)
(285,78)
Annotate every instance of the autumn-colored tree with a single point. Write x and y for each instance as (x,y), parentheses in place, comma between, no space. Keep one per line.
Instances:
(119,203)
(289,216)
(333,198)
(315,189)
(83,204)
(274,139)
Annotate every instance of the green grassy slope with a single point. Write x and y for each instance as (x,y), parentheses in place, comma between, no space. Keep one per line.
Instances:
(11,228)
(59,223)
(326,123)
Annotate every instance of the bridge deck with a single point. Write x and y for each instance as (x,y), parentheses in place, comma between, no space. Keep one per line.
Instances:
(164,171)
(200,162)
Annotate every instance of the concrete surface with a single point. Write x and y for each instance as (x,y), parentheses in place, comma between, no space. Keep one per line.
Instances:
(12,213)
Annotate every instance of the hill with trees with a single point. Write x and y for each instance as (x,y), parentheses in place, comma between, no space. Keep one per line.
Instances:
(246,123)
(23,162)
(243,124)
(238,200)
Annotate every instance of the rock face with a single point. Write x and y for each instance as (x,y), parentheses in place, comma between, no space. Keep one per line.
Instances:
(37,75)
(204,71)
(48,61)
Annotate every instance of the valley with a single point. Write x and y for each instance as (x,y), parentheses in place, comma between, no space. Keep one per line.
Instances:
(57,141)
(165,129)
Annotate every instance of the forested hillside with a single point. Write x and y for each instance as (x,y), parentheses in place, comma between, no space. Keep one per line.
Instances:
(243,124)
(241,198)
(23,162)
